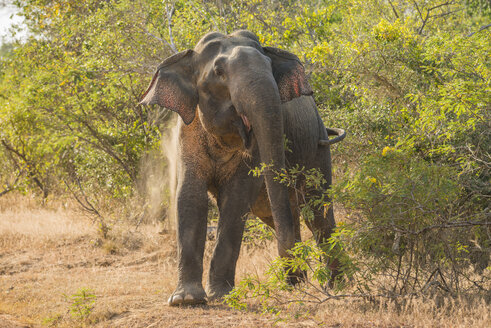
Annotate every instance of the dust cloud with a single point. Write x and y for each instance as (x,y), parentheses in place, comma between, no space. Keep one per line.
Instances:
(158,179)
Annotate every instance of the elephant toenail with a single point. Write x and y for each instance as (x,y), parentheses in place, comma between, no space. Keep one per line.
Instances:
(188,297)
(175,299)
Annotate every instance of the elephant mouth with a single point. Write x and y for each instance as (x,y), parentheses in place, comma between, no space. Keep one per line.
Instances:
(245,129)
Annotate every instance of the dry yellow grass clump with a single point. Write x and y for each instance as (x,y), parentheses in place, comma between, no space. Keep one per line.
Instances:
(23,223)
(50,255)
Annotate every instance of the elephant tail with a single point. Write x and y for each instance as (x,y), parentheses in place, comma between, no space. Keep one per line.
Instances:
(339,133)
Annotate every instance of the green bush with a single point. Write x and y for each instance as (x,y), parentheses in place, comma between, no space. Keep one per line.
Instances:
(405,234)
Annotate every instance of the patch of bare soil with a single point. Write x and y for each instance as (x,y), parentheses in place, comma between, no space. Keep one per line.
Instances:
(48,256)
(7,321)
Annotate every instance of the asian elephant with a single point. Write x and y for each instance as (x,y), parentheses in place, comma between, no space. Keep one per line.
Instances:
(237,101)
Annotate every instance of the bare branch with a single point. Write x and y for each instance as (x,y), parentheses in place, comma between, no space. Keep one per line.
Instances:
(428,13)
(32,173)
(107,148)
(482,28)
(87,206)
(419,11)
(4,192)
(170,12)
(445,14)
(450,225)
(448,3)
(207,13)
(11,186)
(394,9)
(156,37)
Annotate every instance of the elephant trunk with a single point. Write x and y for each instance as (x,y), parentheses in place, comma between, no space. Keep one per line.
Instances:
(257,98)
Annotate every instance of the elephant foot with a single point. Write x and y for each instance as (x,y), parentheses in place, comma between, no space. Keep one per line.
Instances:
(188,295)
(217,291)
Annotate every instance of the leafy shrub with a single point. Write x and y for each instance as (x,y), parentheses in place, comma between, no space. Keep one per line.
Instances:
(405,234)
(407,220)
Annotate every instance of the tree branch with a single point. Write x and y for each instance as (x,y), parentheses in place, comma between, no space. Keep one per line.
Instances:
(156,38)
(103,145)
(32,173)
(450,225)
(481,29)
(428,13)
(170,12)
(394,9)
(88,206)
(11,186)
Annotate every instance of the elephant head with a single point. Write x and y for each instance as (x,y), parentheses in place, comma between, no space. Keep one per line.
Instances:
(237,87)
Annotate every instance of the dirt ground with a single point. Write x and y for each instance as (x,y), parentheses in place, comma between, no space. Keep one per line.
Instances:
(47,256)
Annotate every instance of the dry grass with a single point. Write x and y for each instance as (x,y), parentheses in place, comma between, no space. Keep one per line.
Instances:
(48,254)
(26,224)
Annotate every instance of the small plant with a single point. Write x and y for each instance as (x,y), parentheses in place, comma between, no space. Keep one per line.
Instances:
(52,320)
(257,233)
(306,257)
(81,303)
(307,183)
(103,229)
(110,247)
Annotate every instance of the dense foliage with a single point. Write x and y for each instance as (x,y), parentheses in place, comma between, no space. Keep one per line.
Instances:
(409,81)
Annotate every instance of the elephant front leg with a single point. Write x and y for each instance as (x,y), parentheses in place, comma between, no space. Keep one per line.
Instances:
(235,199)
(192,210)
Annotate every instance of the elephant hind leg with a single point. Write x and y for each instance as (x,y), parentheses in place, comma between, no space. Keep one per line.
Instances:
(262,210)
(268,220)
(298,276)
(322,224)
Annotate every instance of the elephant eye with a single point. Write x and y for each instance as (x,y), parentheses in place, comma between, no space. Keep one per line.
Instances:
(219,66)
(218,71)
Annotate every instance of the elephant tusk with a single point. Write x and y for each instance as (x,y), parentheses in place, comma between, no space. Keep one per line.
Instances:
(339,133)
(247,124)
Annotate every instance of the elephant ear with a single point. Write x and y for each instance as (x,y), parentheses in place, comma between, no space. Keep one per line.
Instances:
(289,74)
(172,86)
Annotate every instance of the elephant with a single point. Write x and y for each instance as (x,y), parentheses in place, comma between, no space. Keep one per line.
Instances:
(237,101)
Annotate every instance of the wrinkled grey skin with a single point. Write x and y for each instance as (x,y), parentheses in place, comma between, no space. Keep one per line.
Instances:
(237,100)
